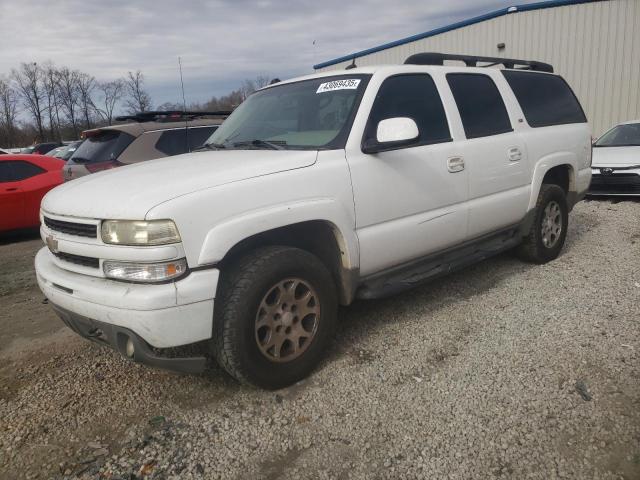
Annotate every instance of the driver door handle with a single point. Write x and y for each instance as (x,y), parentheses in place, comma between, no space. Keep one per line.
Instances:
(12,189)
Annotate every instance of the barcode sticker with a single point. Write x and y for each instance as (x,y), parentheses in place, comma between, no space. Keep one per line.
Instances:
(347,84)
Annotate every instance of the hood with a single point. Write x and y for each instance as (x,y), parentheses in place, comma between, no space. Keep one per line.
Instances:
(130,192)
(616,156)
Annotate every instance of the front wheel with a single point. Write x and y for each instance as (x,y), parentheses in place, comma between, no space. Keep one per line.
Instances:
(548,231)
(274,316)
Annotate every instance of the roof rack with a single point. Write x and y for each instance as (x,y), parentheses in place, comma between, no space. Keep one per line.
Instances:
(431,58)
(170,116)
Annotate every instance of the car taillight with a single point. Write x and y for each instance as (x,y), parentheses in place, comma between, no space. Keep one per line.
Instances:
(98,167)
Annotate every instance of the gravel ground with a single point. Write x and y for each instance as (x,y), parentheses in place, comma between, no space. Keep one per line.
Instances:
(503,370)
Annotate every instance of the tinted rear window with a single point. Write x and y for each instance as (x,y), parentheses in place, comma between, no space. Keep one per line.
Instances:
(545,99)
(103,147)
(480,105)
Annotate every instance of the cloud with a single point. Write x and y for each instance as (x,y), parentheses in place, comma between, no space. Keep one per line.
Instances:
(220,42)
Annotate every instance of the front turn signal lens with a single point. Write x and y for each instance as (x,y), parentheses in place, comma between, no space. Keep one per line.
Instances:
(144,272)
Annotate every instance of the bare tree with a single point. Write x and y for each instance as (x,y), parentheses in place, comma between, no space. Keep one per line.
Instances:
(261,81)
(86,85)
(69,92)
(8,112)
(29,82)
(49,80)
(249,86)
(138,100)
(112,93)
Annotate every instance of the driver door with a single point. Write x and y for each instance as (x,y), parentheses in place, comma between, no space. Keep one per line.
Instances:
(411,201)
(11,199)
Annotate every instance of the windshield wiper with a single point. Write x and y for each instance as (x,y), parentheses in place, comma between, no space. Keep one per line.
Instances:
(262,143)
(209,146)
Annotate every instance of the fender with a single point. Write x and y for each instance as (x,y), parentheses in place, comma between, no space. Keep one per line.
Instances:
(223,236)
(545,164)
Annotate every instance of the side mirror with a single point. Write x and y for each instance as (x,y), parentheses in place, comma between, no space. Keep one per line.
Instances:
(392,133)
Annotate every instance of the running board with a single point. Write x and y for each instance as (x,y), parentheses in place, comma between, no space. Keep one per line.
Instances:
(442,263)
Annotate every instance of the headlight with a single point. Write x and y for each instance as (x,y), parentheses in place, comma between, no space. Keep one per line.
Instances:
(144,272)
(132,232)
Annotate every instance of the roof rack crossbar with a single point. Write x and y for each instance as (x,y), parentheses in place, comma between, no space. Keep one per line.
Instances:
(170,115)
(432,58)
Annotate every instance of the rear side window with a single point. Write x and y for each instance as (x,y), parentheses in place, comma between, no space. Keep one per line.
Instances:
(15,171)
(545,99)
(414,96)
(480,105)
(5,172)
(24,170)
(104,146)
(173,142)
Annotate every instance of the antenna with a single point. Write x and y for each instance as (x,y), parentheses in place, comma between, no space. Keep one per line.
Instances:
(184,106)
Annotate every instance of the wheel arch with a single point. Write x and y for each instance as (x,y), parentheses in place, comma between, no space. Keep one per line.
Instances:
(319,237)
(558,169)
(320,226)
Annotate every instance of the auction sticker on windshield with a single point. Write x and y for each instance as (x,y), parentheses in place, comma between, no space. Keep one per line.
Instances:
(347,84)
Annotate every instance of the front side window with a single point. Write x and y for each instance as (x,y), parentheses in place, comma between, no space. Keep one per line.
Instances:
(480,104)
(310,114)
(627,135)
(545,99)
(414,96)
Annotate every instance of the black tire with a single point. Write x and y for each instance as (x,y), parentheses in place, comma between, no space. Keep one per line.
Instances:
(533,249)
(242,290)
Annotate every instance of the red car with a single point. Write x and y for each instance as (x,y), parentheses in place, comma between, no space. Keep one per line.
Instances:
(24,180)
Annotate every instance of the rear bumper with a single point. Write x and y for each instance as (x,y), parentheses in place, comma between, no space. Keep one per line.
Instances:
(163,315)
(128,343)
(615,181)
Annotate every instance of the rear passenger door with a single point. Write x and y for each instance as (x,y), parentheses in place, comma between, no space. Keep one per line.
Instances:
(494,155)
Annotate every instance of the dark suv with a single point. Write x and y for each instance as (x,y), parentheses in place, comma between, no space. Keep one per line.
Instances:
(41,148)
(147,136)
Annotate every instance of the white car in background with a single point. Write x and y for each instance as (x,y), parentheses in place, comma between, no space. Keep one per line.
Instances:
(616,161)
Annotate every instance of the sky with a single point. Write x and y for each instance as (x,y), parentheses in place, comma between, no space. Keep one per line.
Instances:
(221,43)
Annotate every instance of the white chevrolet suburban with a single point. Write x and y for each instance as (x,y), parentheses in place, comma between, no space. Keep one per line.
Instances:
(316,191)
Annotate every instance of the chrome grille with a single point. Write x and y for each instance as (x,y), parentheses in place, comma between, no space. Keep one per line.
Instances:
(72,228)
(78,259)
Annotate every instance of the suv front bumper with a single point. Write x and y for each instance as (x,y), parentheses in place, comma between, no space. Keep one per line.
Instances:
(161,315)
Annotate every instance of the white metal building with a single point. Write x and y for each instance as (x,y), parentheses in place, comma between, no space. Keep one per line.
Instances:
(593,44)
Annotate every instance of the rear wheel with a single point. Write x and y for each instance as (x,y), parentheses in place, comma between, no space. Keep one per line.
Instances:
(274,315)
(548,231)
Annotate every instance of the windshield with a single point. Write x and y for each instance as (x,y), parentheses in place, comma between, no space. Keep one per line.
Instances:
(310,114)
(104,146)
(621,136)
